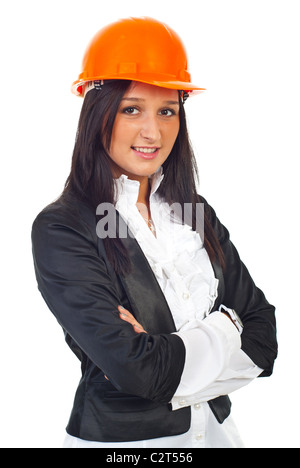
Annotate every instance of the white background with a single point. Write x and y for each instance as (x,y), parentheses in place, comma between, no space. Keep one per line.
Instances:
(245,132)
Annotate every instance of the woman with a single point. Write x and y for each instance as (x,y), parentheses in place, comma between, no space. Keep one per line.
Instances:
(144,283)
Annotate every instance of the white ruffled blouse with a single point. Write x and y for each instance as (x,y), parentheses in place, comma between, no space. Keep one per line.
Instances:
(215,365)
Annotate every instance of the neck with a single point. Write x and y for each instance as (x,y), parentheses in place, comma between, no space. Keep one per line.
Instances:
(144,191)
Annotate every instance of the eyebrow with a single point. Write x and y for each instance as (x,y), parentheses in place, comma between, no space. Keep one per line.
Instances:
(133,99)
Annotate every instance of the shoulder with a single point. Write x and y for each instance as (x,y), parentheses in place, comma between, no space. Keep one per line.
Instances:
(67,213)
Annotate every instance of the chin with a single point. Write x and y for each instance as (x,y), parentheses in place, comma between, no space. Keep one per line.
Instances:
(143,172)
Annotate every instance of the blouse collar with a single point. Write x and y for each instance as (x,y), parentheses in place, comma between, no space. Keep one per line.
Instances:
(128,189)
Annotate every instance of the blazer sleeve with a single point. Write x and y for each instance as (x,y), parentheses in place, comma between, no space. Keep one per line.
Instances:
(74,281)
(241,294)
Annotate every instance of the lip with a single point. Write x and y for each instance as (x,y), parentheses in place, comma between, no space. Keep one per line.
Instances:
(146,155)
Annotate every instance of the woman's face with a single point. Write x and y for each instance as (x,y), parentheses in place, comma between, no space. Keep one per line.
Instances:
(145,130)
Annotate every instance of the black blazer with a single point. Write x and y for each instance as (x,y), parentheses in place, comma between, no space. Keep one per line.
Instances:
(144,370)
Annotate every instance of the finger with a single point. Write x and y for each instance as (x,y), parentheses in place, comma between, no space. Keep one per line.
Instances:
(138,328)
(128,317)
(125,312)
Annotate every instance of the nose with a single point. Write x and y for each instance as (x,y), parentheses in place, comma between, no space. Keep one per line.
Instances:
(150,129)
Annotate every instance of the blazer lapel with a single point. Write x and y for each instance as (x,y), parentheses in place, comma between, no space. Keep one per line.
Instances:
(221,286)
(144,293)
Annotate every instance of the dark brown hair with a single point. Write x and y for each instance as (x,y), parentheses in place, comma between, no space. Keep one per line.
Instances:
(91,177)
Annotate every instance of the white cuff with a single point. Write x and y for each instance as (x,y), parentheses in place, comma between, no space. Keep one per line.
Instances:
(209,346)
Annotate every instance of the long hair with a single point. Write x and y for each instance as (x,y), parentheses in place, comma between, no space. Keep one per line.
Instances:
(91,178)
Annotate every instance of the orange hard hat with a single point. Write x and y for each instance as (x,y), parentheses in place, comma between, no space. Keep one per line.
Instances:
(138,49)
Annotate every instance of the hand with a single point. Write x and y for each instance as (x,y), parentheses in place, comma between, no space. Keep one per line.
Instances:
(128,317)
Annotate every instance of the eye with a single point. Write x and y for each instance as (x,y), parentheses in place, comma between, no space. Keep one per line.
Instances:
(167,112)
(130,110)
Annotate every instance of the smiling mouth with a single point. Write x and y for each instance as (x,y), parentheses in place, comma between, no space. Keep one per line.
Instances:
(144,150)
(145,153)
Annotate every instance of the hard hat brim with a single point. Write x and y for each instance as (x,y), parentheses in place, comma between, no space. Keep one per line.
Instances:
(78,85)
